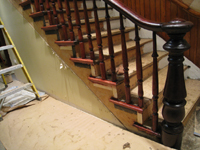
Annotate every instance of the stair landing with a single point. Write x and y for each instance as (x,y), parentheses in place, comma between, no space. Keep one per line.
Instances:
(51,124)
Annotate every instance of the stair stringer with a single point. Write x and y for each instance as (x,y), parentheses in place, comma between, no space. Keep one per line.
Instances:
(104,95)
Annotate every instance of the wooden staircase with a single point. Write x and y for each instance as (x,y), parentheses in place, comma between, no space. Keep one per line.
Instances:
(105,55)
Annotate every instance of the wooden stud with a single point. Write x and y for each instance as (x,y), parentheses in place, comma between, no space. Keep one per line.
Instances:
(56,21)
(78,25)
(70,26)
(110,46)
(62,20)
(125,62)
(139,68)
(88,31)
(49,12)
(99,42)
(155,85)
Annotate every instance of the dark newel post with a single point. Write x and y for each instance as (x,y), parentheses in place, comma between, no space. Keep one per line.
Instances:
(125,62)
(155,85)
(110,45)
(139,68)
(88,31)
(174,92)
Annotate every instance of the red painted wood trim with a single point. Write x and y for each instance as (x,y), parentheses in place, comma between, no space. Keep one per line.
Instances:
(147,130)
(100,81)
(36,14)
(65,43)
(83,61)
(51,27)
(129,106)
(134,17)
(24,3)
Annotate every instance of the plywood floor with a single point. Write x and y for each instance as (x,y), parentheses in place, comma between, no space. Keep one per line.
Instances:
(53,125)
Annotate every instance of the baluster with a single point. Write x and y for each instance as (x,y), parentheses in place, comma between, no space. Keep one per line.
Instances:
(80,35)
(49,12)
(155,85)
(125,62)
(41,5)
(174,92)
(70,26)
(139,68)
(110,45)
(62,20)
(88,31)
(37,7)
(99,42)
(56,21)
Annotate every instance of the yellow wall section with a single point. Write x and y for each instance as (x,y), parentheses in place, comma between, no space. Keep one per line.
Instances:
(44,66)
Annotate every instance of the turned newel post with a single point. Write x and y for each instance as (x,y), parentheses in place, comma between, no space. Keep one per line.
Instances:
(174,93)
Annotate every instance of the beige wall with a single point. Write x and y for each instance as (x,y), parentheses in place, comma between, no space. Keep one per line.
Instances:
(44,66)
(194,4)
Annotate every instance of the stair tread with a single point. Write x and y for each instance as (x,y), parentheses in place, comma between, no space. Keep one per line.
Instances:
(193,94)
(104,33)
(146,61)
(6,47)
(147,84)
(92,20)
(118,48)
(53,27)
(7,93)
(2,71)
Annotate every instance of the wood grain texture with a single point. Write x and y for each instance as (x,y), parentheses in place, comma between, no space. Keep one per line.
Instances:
(166,10)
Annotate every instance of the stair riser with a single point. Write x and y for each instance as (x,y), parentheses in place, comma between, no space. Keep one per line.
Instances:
(116,40)
(133,81)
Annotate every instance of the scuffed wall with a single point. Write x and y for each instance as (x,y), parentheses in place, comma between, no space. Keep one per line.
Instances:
(48,72)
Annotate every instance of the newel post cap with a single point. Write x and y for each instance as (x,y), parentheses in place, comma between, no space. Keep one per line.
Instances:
(177,26)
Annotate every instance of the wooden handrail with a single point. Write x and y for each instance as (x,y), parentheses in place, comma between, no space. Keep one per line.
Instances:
(131,15)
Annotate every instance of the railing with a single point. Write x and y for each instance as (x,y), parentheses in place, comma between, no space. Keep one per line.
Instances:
(174,92)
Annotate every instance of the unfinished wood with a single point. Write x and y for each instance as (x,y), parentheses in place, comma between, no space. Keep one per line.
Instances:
(116,39)
(193,93)
(42,126)
(129,44)
(146,60)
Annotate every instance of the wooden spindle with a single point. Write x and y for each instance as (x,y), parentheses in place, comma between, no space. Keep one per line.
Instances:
(80,35)
(174,92)
(125,62)
(69,18)
(155,85)
(88,31)
(139,68)
(49,12)
(62,20)
(56,21)
(37,6)
(110,45)
(41,5)
(99,42)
